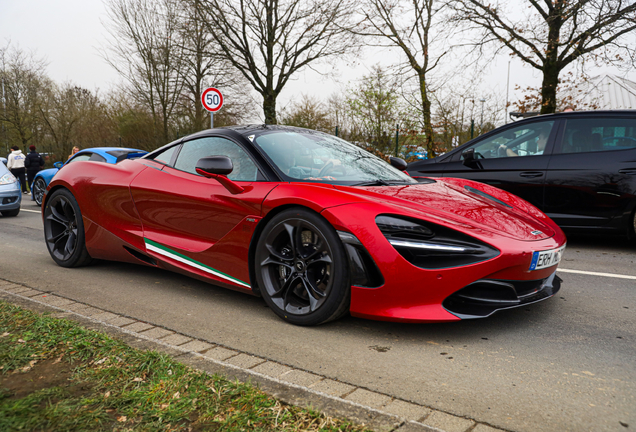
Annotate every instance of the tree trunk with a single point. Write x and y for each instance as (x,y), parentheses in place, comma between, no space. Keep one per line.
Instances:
(551,66)
(549,88)
(269,108)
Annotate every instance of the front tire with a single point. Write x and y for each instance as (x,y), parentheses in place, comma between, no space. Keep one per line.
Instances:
(38,189)
(64,230)
(301,268)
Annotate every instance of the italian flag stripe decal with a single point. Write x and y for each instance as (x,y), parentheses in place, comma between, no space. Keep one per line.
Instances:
(162,250)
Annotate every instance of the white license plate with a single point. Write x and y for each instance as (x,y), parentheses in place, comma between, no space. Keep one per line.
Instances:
(544,259)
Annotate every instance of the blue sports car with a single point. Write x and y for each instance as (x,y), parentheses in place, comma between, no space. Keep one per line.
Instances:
(110,155)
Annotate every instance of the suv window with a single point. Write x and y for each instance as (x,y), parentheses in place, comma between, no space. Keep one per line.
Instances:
(599,134)
(192,151)
(526,140)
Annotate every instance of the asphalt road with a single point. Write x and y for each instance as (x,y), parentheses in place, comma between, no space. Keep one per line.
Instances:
(566,364)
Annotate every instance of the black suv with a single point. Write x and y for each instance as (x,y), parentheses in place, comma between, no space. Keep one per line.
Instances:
(578,167)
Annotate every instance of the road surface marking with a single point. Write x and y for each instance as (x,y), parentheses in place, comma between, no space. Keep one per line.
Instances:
(597,274)
(32,211)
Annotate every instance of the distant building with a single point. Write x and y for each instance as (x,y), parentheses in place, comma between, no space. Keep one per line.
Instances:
(603,92)
(609,92)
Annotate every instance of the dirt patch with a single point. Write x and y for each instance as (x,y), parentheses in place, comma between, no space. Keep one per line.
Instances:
(43,374)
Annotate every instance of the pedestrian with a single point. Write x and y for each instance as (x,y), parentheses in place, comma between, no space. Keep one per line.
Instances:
(15,163)
(33,163)
(75,150)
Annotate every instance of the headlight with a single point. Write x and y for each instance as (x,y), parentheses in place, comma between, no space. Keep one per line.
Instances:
(8,178)
(432,246)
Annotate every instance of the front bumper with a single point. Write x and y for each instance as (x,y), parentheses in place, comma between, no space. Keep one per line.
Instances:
(10,197)
(487,296)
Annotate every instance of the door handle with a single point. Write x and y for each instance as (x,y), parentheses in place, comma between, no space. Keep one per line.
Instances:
(628,171)
(531,174)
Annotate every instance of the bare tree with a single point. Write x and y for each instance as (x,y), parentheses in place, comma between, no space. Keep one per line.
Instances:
(308,113)
(374,105)
(204,65)
(21,80)
(147,52)
(268,41)
(416,28)
(67,107)
(549,35)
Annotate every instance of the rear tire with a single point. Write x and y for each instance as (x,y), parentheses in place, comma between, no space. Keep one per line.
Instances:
(64,230)
(301,268)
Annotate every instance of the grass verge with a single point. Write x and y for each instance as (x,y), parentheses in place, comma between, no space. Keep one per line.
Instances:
(57,375)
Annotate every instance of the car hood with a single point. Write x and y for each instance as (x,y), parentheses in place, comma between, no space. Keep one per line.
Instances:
(450,202)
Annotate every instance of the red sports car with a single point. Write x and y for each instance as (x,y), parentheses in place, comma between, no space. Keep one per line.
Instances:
(315,225)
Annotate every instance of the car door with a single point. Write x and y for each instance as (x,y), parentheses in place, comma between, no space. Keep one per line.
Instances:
(196,220)
(514,159)
(591,178)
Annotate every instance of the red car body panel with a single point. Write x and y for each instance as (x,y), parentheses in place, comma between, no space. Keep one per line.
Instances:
(194,225)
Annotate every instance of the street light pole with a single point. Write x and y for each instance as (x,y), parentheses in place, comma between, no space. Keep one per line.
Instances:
(481,125)
(507,89)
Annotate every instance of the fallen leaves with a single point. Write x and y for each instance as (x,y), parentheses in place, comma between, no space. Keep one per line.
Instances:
(29,366)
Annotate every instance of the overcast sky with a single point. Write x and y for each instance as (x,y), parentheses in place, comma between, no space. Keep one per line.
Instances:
(68,34)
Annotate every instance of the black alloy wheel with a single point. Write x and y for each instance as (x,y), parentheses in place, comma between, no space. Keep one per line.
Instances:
(301,268)
(64,230)
(38,189)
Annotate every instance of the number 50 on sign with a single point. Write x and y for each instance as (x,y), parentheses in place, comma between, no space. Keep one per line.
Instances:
(212,99)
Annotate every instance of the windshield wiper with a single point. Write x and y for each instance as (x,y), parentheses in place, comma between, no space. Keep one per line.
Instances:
(380,182)
(377,182)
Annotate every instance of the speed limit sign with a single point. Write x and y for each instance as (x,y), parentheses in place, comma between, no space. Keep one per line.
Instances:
(212,99)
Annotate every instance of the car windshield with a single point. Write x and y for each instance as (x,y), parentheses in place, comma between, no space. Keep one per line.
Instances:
(315,156)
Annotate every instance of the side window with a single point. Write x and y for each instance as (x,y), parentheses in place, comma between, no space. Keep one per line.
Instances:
(166,155)
(598,134)
(192,151)
(82,157)
(97,158)
(527,140)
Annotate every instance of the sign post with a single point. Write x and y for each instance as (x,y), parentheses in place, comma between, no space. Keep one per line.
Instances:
(212,100)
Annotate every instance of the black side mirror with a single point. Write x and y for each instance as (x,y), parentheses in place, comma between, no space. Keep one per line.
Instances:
(468,156)
(218,167)
(214,165)
(398,163)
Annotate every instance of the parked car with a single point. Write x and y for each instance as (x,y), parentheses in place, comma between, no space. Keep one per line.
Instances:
(10,193)
(110,155)
(313,224)
(418,152)
(577,167)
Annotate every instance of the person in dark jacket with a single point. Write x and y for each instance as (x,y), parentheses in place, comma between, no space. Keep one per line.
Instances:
(33,163)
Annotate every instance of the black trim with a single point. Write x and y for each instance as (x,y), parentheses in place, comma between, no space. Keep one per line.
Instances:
(362,269)
(487,296)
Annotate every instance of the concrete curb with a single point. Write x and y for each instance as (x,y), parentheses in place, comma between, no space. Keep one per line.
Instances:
(291,385)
